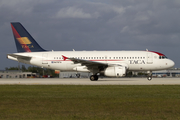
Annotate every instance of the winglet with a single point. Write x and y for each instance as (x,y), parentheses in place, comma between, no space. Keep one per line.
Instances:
(64,57)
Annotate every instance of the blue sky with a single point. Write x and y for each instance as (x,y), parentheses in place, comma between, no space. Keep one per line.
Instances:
(94,25)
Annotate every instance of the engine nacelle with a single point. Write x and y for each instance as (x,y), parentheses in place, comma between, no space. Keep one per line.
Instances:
(116,71)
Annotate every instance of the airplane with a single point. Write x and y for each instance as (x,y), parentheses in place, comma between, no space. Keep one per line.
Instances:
(107,63)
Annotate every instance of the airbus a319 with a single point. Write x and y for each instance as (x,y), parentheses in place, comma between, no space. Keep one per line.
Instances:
(107,63)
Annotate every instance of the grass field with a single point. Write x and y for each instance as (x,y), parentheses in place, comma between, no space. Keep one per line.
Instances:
(74,102)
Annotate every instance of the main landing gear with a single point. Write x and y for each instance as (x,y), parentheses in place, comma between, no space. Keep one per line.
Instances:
(94,77)
(149,76)
(78,75)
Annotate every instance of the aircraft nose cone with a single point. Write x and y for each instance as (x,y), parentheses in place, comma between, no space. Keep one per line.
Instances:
(171,64)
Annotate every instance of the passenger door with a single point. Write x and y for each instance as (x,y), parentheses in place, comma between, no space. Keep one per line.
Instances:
(149,58)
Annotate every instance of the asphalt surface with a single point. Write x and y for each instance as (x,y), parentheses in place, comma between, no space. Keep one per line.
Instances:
(86,81)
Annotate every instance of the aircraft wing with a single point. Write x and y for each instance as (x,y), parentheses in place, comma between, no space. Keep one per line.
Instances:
(89,64)
(19,56)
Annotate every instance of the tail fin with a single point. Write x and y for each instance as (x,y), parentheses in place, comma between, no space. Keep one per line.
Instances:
(24,41)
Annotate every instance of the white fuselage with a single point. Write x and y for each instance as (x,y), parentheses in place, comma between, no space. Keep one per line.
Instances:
(133,60)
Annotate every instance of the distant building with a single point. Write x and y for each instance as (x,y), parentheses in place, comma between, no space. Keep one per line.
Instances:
(16,74)
(175,72)
(74,75)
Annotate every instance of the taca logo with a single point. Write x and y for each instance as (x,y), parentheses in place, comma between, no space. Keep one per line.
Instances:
(25,42)
(27,46)
(137,61)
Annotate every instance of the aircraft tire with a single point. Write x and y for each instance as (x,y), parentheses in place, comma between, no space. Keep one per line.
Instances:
(96,77)
(78,75)
(149,78)
(93,77)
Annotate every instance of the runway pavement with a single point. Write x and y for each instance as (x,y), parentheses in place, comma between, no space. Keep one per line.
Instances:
(86,81)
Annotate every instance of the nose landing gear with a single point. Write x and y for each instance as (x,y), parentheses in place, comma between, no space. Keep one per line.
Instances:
(149,76)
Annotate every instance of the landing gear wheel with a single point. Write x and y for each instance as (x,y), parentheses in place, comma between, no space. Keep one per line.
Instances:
(149,78)
(93,77)
(78,75)
(96,77)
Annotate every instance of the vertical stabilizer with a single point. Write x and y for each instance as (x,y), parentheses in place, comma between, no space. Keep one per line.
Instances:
(24,41)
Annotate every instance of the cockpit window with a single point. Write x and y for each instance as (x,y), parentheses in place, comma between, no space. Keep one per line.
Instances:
(162,57)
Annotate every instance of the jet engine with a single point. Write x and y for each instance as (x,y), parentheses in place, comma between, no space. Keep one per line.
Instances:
(115,71)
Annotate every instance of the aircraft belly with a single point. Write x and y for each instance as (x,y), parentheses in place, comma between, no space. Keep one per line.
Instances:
(70,66)
(140,67)
(64,66)
(36,62)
